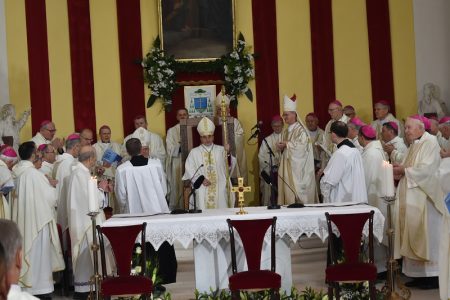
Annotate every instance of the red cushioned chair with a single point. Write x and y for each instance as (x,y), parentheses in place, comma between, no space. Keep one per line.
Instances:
(252,234)
(353,268)
(122,240)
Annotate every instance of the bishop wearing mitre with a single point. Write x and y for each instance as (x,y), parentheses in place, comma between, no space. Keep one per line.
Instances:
(297,159)
(209,160)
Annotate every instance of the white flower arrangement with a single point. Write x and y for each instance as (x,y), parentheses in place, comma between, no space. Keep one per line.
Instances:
(160,72)
(160,75)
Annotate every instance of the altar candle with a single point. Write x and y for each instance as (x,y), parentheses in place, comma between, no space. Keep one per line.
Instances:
(92,195)
(388,171)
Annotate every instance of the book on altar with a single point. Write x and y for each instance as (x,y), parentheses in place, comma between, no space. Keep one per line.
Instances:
(111,157)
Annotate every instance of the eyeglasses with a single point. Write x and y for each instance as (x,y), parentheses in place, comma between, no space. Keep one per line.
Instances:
(332,109)
(51,130)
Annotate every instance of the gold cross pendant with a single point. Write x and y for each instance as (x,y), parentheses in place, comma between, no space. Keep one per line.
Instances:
(241,189)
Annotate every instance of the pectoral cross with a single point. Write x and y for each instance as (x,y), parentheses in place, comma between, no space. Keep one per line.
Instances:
(241,189)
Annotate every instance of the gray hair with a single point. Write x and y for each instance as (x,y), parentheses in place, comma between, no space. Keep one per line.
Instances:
(11,240)
(70,144)
(84,156)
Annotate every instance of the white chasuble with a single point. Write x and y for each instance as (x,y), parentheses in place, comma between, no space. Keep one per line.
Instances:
(141,189)
(100,149)
(214,169)
(378,125)
(33,211)
(155,144)
(264,163)
(419,209)
(444,247)
(174,168)
(326,143)
(297,167)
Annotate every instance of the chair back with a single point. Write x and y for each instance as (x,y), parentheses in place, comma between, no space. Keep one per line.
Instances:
(350,227)
(122,240)
(252,234)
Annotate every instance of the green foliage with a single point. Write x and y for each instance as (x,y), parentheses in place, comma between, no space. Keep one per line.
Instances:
(307,294)
(160,72)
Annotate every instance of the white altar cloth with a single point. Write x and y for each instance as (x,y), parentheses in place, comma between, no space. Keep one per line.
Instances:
(209,229)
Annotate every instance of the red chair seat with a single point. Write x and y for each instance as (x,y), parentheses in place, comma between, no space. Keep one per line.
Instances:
(256,279)
(351,272)
(133,284)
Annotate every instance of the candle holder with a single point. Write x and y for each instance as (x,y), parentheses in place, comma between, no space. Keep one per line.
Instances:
(391,263)
(95,279)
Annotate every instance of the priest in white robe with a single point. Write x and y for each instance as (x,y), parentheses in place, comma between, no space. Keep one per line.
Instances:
(241,169)
(8,158)
(33,212)
(174,164)
(373,158)
(383,115)
(62,170)
(79,204)
(141,183)
(444,248)
(343,178)
(208,160)
(104,144)
(152,140)
(354,125)
(264,157)
(336,113)
(316,134)
(48,159)
(393,145)
(141,188)
(419,207)
(46,135)
(297,159)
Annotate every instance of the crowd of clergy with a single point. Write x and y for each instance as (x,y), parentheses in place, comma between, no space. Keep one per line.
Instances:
(44,186)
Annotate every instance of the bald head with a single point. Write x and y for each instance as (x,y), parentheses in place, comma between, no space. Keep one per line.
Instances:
(87,156)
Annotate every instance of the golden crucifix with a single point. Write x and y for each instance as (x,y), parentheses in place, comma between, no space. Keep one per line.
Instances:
(241,189)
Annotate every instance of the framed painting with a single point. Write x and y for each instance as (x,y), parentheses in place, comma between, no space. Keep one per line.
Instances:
(199,30)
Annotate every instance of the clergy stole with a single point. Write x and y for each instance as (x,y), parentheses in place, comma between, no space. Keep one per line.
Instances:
(412,222)
(210,165)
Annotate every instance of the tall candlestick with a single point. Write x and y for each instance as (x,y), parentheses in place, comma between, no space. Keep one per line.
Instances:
(92,195)
(388,172)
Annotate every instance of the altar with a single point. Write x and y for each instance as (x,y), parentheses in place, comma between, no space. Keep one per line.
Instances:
(209,233)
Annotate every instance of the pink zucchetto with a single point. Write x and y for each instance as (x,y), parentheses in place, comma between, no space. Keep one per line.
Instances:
(368,131)
(357,121)
(9,152)
(46,122)
(445,119)
(277,118)
(426,122)
(383,102)
(73,136)
(336,102)
(393,125)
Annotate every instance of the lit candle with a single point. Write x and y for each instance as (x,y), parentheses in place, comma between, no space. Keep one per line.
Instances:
(92,195)
(388,171)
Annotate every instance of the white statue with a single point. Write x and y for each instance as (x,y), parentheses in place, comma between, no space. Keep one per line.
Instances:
(430,102)
(9,126)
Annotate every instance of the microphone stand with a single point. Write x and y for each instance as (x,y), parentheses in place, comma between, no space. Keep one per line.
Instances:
(273,194)
(195,210)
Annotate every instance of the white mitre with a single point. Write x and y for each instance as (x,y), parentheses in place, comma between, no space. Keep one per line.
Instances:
(206,127)
(219,98)
(142,135)
(290,104)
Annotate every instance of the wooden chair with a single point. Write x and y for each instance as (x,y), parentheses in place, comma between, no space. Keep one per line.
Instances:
(189,138)
(122,240)
(353,269)
(252,234)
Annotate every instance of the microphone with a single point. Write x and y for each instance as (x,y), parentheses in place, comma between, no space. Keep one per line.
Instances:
(254,135)
(198,182)
(196,185)
(267,180)
(257,125)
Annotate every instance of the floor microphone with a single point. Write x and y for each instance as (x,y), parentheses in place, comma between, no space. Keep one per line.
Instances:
(267,180)
(298,203)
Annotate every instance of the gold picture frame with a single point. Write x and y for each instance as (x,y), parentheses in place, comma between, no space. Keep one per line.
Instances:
(197,30)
